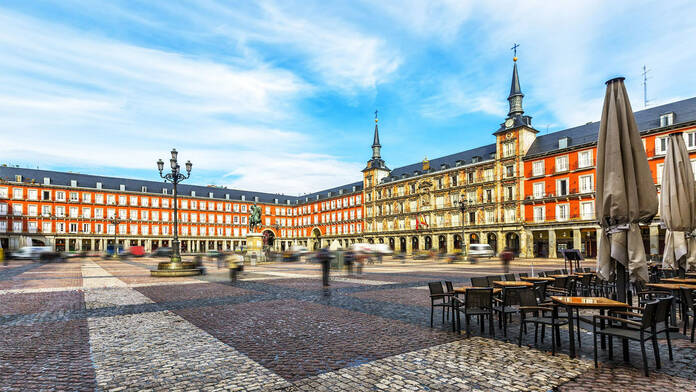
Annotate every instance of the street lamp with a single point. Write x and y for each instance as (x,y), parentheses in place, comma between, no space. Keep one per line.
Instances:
(175,267)
(463,204)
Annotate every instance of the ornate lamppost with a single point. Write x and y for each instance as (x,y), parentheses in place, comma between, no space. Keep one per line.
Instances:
(175,267)
(463,205)
(115,222)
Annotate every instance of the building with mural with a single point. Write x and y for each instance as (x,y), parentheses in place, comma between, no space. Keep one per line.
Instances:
(529,192)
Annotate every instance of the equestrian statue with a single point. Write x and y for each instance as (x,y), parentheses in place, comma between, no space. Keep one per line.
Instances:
(254,218)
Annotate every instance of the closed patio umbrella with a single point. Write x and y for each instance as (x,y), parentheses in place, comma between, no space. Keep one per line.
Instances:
(626,193)
(678,206)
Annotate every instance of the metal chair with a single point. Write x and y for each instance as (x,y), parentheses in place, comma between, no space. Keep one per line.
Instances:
(624,328)
(689,310)
(544,315)
(493,278)
(523,274)
(477,302)
(510,277)
(506,306)
(479,281)
(439,299)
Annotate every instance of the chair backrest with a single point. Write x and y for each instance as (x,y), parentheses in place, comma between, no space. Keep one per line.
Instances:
(586,279)
(479,297)
(541,274)
(560,282)
(435,288)
(511,295)
(555,272)
(523,274)
(587,269)
(528,296)
(649,314)
(664,306)
(479,281)
(667,273)
(493,278)
(565,271)
(510,277)
(687,296)
(540,290)
(450,287)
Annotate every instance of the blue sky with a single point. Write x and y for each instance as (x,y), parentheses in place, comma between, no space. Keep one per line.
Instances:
(279,96)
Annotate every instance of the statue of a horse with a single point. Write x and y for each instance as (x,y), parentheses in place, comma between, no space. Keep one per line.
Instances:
(254,218)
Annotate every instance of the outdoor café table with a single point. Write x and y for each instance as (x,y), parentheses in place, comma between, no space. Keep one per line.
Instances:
(600,303)
(691,274)
(560,276)
(674,288)
(537,279)
(679,280)
(505,283)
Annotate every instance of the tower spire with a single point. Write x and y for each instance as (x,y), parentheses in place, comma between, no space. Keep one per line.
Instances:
(375,143)
(515,97)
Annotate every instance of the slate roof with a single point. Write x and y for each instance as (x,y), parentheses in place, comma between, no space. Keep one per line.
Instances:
(466,158)
(647,119)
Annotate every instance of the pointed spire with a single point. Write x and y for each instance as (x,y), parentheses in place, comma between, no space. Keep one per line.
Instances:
(515,97)
(375,143)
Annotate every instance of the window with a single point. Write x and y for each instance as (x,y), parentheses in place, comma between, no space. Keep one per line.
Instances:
(587,210)
(86,197)
(508,149)
(585,184)
(660,145)
(60,196)
(32,194)
(46,227)
(17,193)
(585,158)
(3,209)
(490,216)
(74,196)
(3,193)
(110,199)
(562,187)
(45,210)
(562,212)
(45,195)
(99,198)
(72,228)
(690,140)
(470,177)
(538,190)
(17,209)
(134,200)
(509,215)
(539,214)
(122,200)
(561,163)
(509,171)
(17,227)
(659,168)
(666,119)
(509,193)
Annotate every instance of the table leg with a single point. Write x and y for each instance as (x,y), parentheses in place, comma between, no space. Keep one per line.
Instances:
(602,326)
(571,331)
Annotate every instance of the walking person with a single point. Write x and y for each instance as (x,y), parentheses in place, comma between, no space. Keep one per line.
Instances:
(348,258)
(506,257)
(325,260)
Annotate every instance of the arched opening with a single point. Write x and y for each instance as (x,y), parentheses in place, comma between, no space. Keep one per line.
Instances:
(474,238)
(428,242)
(402,244)
(268,238)
(381,240)
(371,240)
(391,244)
(442,244)
(457,242)
(512,242)
(414,244)
(493,241)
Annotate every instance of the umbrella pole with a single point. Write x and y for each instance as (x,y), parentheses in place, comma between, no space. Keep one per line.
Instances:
(621,282)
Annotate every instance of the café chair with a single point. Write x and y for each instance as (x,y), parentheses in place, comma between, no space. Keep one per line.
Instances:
(532,312)
(478,301)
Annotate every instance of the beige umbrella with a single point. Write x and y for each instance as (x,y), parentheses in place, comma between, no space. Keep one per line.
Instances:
(678,206)
(626,193)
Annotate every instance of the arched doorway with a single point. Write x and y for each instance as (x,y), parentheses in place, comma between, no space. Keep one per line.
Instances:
(402,244)
(442,244)
(428,242)
(474,238)
(371,240)
(457,241)
(414,244)
(381,240)
(512,241)
(493,241)
(268,238)
(391,244)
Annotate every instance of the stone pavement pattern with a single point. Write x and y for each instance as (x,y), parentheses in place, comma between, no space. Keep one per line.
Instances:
(92,324)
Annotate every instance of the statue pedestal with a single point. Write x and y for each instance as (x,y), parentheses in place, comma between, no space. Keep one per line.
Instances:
(254,248)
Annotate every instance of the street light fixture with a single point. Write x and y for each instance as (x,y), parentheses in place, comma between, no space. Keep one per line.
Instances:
(463,204)
(175,267)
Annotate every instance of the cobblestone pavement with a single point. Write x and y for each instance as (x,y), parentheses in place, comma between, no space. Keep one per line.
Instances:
(107,325)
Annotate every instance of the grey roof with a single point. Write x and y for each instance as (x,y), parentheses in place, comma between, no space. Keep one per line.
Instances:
(450,161)
(155,187)
(515,86)
(647,119)
(348,188)
(375,142)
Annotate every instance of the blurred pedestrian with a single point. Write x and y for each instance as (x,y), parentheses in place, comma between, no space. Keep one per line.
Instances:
(348,258)
(325,259)
(506,257)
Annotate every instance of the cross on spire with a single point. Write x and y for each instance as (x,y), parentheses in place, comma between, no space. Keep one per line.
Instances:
(514,49)
(376,115)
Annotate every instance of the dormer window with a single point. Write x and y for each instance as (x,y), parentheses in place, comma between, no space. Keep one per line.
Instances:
(47,181)
(210,195)
(459,162)
(563,142)
(193,193)
(667,119)
(476,159)
(120,187)
(73,183)
(443,166)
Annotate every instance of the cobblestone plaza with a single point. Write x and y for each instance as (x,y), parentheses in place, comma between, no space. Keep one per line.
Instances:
(95,324)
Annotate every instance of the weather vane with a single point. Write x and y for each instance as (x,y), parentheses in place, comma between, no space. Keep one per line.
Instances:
(514,49)
(376,116)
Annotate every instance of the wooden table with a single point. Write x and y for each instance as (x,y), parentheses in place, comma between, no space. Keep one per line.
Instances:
(679,280)
(537,279)
(462,290)
(691,274)
(599,303)
(507,283)
(560,276)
